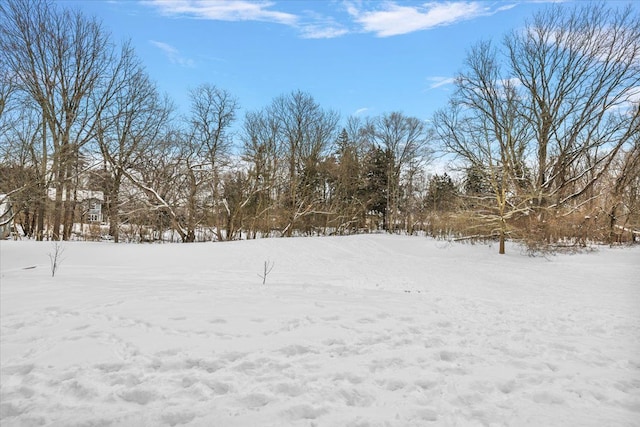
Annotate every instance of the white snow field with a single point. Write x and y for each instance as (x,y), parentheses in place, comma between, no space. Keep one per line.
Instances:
(369,330)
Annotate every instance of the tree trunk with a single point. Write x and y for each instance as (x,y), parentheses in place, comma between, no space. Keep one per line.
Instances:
(41,211)
(57,209)
(114,208)
(69,209)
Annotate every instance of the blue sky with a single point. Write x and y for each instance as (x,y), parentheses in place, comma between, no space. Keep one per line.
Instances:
(356,57)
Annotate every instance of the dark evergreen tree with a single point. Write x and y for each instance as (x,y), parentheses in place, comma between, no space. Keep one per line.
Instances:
(476,182)
(376,166)
(443,193)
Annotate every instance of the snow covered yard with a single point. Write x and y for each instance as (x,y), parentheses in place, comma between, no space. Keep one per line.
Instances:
(348,331)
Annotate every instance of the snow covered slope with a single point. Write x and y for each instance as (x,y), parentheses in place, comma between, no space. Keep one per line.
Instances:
(368,330)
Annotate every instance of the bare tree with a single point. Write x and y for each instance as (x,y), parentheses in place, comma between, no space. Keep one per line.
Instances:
(578,69)
(213,112)
(130,124)
(405,141)
(7,89)
(170,178)
(63,61)
(624,194)
(543,119)
(262,153)
(484,127)
(305,132)
(23,173)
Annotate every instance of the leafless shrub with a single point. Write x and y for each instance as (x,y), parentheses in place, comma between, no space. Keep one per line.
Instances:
(268,266)
(55,256)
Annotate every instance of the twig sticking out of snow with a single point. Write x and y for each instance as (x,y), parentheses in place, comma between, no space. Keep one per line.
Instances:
(56,258)
(268,266)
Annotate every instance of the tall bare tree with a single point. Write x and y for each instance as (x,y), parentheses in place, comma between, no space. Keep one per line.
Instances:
(543,119)
(624,193)
(405,140)
(262,153)
(579,74)
(306,131)
(127,127)
(170,178)
(63,61)
(484,127)
(24,176)
(213,112)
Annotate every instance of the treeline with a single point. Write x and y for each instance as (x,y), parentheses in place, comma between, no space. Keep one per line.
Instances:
(542,131)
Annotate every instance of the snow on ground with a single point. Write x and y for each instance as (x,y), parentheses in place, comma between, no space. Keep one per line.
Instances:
(370,330)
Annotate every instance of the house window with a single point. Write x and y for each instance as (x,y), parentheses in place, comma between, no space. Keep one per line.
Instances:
(94,213)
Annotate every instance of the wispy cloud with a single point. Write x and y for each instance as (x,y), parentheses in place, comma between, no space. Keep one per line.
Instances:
(173,54)
(310,25)
(316,26)
(224,10)
(360,111)
(438,81)
(392,19)
(322,32)
(385,19)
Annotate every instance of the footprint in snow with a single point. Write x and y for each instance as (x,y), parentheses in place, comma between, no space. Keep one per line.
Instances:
(547,398)
(218,388)
(139,396)
(129,380)
(109,367)
(255,400)
(392,384)
(304,412)
(296,350)
(288,389)
(232,356)
(426,384)
(507,387)
(9,410)
(427,415)
(205,365)
(356,398)
(348,376)
(383,364)
(447,356)
(178,418)
(18,369)
(76,389)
